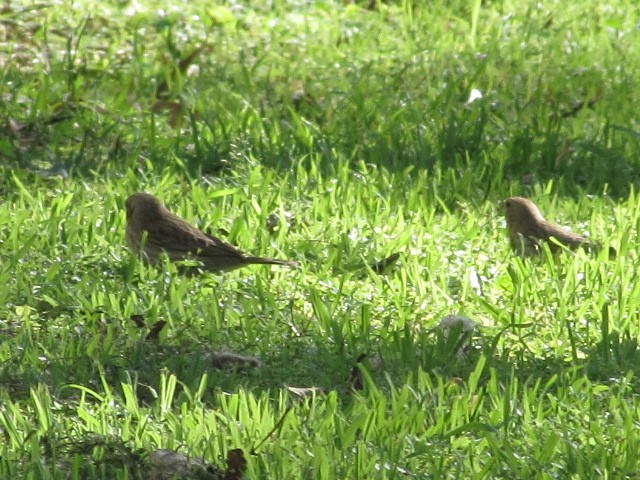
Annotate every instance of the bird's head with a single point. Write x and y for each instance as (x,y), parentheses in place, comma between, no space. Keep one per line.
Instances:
(520,210)
(143,205)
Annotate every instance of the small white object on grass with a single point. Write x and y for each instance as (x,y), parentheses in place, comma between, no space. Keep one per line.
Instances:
(459,323)
(474,95)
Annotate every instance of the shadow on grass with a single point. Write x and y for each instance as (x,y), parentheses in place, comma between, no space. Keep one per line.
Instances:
(475,149)
(303,364)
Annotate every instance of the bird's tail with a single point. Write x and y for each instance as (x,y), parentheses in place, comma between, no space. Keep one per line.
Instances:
(272,261)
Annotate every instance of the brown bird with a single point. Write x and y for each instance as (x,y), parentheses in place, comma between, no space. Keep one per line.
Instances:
(528,229)
(152,229)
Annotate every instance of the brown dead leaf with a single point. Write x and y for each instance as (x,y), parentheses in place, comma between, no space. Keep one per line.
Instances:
(355,378)
(138,319)
(187,60)
(162,91)
(174,107)
(228,360)
(236,465)
(384,265)
(473,403)
(155,330)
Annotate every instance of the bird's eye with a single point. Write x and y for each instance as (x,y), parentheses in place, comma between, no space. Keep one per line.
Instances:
(507,204)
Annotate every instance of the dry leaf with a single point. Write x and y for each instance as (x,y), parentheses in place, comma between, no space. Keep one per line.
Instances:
(224,360)
(236,465)
(384,265)
(306,392)
(186,62)
(162,91)
(355,378)
(155,330)
(138,319)
(174,107)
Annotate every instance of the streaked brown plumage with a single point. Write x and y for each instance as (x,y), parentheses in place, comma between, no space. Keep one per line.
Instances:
(152,228)
(528,229)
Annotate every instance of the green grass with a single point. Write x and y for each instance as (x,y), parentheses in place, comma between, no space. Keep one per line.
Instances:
(350,124)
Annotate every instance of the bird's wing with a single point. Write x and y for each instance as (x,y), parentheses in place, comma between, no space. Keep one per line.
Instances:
(219,248)
(182,241)
(176,240)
